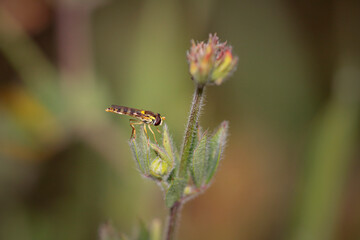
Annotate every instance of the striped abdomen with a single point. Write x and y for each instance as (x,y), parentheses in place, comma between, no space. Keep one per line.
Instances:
(145,116)
(125,111)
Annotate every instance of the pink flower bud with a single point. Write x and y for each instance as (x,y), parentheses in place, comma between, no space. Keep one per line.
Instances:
(225,64)
(210,62)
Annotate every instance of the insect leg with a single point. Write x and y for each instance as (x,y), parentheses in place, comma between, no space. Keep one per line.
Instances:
(146,132)
(152,133)
(133,133)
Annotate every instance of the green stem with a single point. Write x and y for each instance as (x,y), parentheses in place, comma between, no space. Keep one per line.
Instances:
(191,131)
(190,135)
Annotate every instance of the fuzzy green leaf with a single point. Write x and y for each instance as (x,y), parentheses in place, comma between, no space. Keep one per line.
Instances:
(199,132)
(168,145)
(171,176)
(161,153)
(194,139)
(216,146)
(140,149)
(198,164)
(175,191)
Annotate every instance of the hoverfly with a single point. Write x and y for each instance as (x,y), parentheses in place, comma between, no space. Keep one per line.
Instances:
(141,117)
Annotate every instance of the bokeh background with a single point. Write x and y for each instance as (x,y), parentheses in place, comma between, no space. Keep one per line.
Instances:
(291,167)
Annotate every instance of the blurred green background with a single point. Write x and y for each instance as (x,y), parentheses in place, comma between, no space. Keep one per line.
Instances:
(291,167)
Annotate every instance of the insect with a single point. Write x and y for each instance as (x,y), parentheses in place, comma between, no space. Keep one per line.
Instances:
(144,117)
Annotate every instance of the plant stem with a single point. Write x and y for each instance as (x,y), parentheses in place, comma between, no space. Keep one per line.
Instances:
(172,220)
(191,130)
(185,157)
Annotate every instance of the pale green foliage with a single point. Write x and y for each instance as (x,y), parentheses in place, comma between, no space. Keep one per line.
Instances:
(168,145)
(141,153)
(207,155)
(149,155)
(162,153)
(215,145)
(175,191)
(151,232)
(198,166)
(161,163)
(144,233)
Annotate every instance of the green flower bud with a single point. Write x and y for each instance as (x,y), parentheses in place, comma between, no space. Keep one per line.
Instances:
(159,168)
(188,190)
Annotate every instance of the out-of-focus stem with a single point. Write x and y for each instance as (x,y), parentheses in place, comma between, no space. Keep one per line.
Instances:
(74,43)
(173,217)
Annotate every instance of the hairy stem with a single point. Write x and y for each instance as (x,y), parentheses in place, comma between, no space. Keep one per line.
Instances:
(172,220)
(191,130)
(190,135)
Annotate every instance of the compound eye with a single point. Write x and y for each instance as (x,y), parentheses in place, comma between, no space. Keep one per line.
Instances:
(157,120)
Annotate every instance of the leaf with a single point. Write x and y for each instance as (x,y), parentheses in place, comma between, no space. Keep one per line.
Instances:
(155,230)
(174,192)
(171,176)
(141,152)
(161,153)
(168,145)
(216,146)
(199,132)
(198,164)
(144,233)
(136,154)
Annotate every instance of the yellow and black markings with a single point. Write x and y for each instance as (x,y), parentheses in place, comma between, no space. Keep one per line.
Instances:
(146,118)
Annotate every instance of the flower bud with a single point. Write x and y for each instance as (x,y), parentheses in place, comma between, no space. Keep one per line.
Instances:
(201,59)
(188,190)
(224,65)
(210,62)
(159,168)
